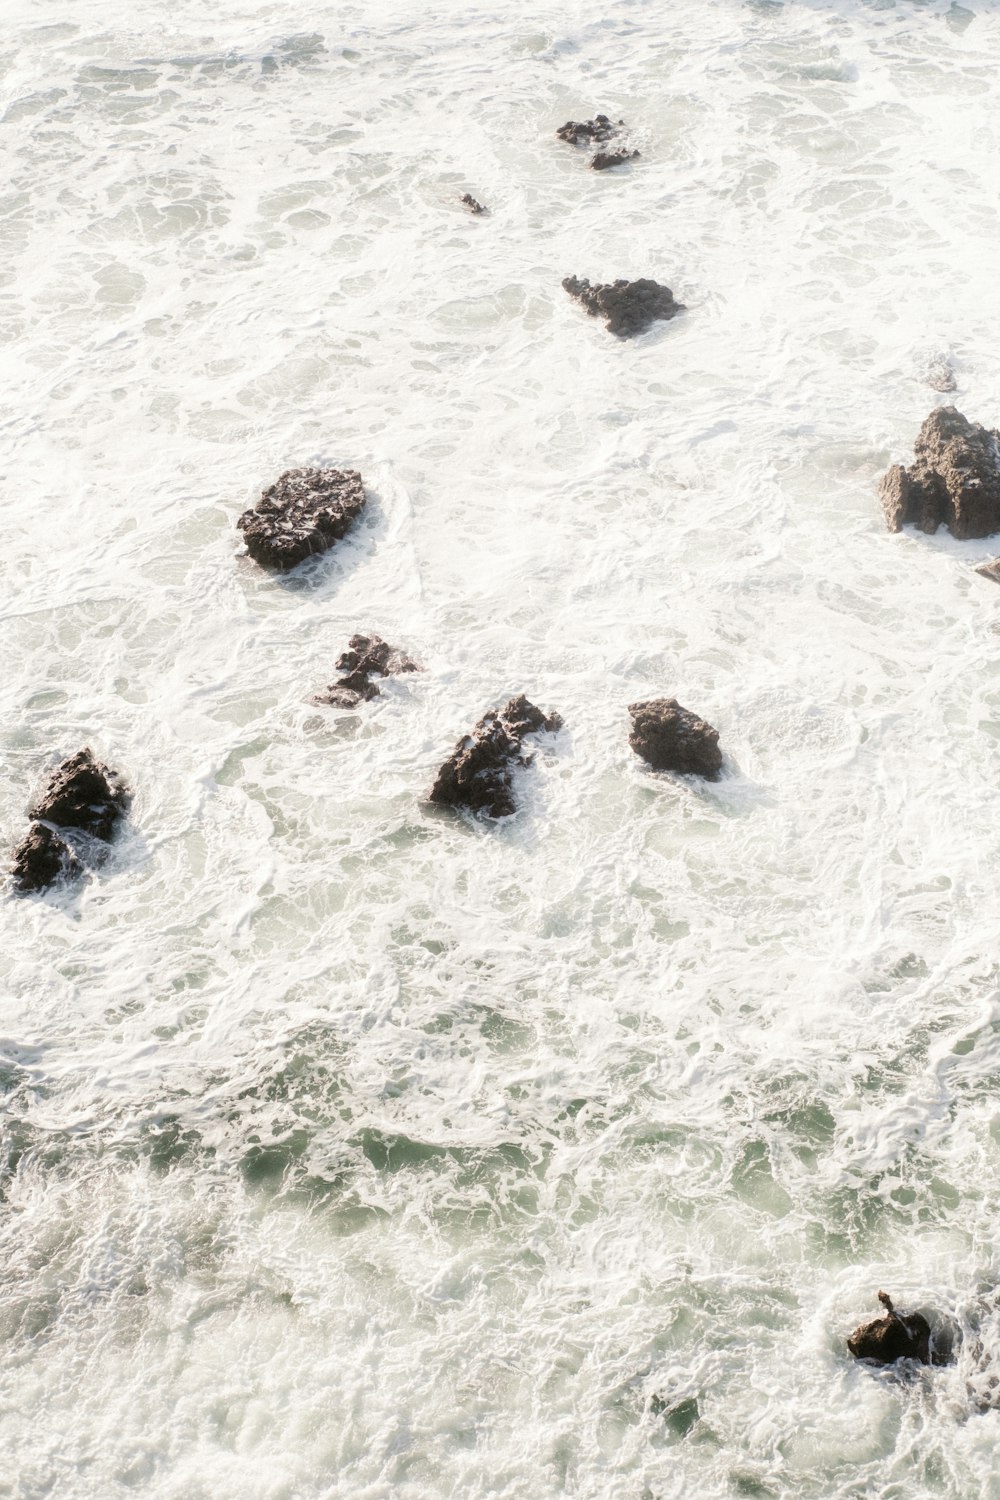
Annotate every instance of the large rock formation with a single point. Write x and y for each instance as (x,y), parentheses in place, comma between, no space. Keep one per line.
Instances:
(893,1337)
(629,306)
(82,797)
(479,772)
(672,738)
(586,132)
(304,512)
(367,656)
(954,479)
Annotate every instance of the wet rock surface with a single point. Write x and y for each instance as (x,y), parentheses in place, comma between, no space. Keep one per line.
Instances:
(367,656)
(671,738)
(893,1337)
(629,307)
(954,479)
(990,570)
(605,159)
(82,797)
(303,513)
(587,132)
(940,374)
(473,205)
(478,774)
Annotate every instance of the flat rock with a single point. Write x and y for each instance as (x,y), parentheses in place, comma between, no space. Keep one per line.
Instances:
(671,738)
(85,795)
(893,1337)
(478,774)
(605,159)
(630,307)
(303,513)
(954,479)
(366,656)
(586,132)
(42,858)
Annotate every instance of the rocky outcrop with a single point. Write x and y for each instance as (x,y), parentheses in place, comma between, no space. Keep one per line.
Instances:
(83,797)
(367,656)
(304,512)
(954,479)
(587,132)
(478,774)
(629,306)
(472,205)
(671,738)
(893,1337)
(605,159)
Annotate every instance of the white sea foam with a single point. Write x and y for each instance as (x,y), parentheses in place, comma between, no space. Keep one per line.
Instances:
(353,1149)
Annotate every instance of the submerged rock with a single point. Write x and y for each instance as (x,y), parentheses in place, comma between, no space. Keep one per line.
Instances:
(605,159)
(629,306)
(367,656)
(478,774)
(472,205)
(586,132)
(671,738)
(954,479)
(304,512)
(893,1337)
(941,374)
(42,858)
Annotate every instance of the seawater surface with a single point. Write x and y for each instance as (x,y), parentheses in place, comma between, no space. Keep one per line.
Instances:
(356,1150)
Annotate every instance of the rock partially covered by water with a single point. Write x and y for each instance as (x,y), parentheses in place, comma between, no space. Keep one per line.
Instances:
(367,656)
(472,205)
(605,159)
(954,479)
(893,1337)
(672,738)
(304,512)
(586,132)
(478,774)
(630,307)
(42,858)
(990,570)
(82,797)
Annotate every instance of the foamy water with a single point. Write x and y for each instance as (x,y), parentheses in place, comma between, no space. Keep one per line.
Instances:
(357,1150)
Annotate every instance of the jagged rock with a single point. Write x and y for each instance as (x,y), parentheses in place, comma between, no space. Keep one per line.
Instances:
(629,306)
(605,159)
(672,738)
(954,479)
(990,570)
(42,858)
(83,794)
(584,132)
(366,656)
(304,512)
(893,1337)
(478,773)
(472,205)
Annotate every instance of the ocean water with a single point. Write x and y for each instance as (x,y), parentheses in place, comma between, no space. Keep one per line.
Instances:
(355,1149)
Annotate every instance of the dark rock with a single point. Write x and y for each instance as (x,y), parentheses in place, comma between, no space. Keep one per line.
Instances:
(83,794)
(478,773)
(629,306)
(304,512)
(367,656)
(605,159)
(671,738)
(585,132)
(990,570)
(893,1337)
(42,858)
(954,479)
(472,205)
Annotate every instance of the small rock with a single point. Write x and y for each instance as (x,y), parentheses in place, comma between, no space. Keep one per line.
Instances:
(990,570)
(584,132)
(671,738)
(478,773)
(83,794)
(304,512)
(605,159)
(941,374)
(472,205)
(954,479)
(629,306)
(42,858)
(366,656)
(893,1337)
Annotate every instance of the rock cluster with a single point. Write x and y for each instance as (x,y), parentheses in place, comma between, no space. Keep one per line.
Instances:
(893,1337)
(586,132)
(629,306)
(84,799)
(367,656)
(478,774)
(605,159)
(304,512)
(954,479)
(671,738)
(472,205)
